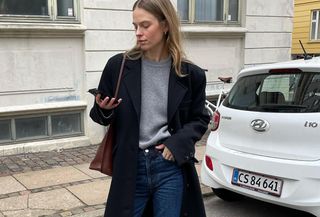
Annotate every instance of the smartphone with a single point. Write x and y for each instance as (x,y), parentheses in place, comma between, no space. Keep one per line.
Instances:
(95,92)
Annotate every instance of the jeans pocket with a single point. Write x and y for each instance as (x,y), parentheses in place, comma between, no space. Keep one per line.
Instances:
(165,160)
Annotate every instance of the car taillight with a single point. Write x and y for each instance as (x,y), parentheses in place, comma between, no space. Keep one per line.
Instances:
(209,163)
(215,121)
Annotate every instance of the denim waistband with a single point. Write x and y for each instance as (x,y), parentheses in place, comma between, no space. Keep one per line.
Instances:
(151,151)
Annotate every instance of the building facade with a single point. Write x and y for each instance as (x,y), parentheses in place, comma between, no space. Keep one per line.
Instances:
(306,28)
(53,51)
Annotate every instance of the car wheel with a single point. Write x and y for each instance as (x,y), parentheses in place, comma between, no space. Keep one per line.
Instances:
(227,195)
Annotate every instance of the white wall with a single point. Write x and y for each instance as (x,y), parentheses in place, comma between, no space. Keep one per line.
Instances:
(40,70)
(269,25)
(221,56)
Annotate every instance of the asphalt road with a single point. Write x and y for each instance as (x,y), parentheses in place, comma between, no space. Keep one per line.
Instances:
(216,207)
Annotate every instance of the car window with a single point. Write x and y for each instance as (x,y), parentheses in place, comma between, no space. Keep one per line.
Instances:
(276,92)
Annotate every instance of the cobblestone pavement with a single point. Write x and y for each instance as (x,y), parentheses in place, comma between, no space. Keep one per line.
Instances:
(18,166)
(13,164)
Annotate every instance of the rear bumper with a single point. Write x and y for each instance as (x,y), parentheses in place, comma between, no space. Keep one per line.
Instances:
(301,179)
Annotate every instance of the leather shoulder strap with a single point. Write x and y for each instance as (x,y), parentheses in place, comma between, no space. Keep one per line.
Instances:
(120,76)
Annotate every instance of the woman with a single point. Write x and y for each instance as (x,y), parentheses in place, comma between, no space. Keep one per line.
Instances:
(158,119)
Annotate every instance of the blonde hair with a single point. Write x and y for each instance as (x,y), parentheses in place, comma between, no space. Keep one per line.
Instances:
(163,10)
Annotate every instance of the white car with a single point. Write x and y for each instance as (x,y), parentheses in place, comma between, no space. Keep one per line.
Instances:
(265,143)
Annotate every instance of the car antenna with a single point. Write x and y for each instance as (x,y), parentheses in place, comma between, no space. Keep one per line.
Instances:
(305,55)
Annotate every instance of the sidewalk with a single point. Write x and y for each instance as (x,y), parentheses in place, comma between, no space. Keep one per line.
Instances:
(58,184)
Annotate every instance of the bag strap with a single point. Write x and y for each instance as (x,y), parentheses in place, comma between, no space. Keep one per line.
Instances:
(120,76)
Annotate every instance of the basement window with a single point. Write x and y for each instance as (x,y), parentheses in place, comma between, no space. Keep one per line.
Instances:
(41,127)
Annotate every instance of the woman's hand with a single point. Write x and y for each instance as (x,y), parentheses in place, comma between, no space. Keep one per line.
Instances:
(107,103)
(166,152)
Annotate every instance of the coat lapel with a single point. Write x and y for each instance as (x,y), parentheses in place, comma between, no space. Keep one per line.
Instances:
(176,93)
(132,82)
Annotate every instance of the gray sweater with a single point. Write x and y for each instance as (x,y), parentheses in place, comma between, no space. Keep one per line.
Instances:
(154,102)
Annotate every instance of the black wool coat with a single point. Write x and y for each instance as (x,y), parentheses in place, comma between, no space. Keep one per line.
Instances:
(187,122)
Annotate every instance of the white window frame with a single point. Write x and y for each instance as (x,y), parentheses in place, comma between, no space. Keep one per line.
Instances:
(225,21)
(316,21)
(51,17)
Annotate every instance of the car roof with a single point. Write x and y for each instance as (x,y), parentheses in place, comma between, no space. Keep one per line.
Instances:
(310,65)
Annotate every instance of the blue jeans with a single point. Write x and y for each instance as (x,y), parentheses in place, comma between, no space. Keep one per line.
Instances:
(159,180)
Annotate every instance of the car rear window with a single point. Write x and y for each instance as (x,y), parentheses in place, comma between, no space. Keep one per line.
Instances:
(276,92)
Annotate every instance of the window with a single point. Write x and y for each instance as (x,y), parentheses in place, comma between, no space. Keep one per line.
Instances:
(66,124)
(314,33)
(31,127)
(40,10)
(209,11)
(292,93)
(46,126)
(5,133)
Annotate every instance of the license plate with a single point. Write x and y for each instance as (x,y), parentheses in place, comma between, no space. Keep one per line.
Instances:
(257,182)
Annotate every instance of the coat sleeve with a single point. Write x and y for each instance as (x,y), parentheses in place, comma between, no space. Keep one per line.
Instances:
(106,86)
(182,142)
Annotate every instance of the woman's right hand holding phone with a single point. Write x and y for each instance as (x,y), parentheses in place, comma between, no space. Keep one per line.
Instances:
(107,103)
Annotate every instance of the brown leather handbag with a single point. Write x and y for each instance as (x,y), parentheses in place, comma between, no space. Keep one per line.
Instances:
(103,158)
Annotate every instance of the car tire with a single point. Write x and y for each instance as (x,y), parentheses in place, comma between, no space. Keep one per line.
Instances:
(227,195)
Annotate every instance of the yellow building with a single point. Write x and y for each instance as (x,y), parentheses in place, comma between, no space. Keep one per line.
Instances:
(306,27)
